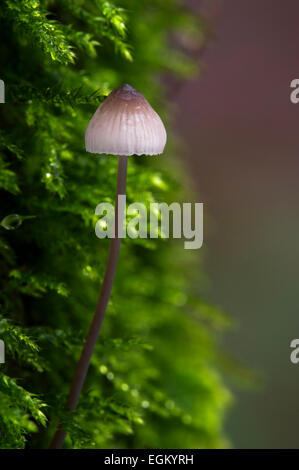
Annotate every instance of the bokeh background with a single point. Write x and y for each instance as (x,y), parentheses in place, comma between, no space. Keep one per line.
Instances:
(241,150)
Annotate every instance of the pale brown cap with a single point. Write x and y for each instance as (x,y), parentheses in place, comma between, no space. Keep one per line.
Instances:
(125,124)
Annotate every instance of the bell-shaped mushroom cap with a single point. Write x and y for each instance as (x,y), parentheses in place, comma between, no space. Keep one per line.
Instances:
(125,124)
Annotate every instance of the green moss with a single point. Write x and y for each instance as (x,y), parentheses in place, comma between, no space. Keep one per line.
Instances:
(154,379)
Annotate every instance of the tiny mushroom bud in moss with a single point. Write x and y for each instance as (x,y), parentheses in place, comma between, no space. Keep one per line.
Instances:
(124,124)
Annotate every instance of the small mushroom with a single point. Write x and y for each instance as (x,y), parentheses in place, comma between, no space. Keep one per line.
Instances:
(124,124)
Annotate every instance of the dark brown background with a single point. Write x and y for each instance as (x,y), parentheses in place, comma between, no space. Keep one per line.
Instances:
(242,152)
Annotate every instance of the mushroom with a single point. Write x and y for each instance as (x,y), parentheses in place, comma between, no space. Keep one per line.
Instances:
(124,124)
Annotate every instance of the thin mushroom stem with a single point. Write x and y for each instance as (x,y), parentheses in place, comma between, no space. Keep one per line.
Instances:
(101,307)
